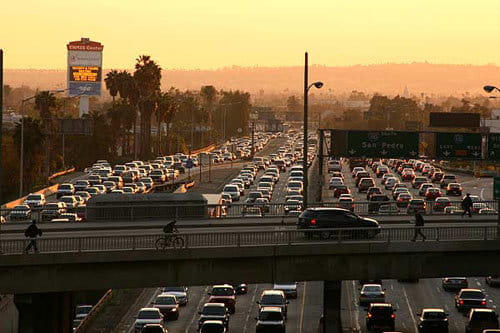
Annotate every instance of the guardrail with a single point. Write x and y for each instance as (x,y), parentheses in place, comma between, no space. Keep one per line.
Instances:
(141,211)
(254,239)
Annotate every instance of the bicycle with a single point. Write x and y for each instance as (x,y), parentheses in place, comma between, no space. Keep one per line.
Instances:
(170,241)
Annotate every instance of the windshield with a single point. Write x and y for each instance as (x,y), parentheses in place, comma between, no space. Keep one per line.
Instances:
(371,289)
(223,291)
(434,315)
(174,289)
(472,294)
(166,300)
(381,311)
(272,299)
(34,197)
(231,188)
(148,315)
(270,316)
(214,311)
(83,309)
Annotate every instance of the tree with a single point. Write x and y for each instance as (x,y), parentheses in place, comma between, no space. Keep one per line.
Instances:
(293,104)
(44,101)
(147,76)
(112,82)
(209,97)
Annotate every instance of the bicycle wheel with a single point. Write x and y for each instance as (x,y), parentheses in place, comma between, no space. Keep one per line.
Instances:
(178,243)
(161,243)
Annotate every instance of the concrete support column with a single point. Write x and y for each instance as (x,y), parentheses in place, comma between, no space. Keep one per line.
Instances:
(47,312)
(332,306)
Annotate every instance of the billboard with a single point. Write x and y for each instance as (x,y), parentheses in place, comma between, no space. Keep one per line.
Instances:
(84,68)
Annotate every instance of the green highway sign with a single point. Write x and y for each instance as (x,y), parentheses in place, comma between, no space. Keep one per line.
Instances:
(383,144)
(496,188)
(493,146)
(458,145)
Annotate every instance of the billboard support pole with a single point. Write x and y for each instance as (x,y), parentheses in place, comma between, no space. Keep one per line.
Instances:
(84,105)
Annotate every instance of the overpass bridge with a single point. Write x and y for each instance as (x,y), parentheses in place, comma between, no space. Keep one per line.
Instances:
(102,262)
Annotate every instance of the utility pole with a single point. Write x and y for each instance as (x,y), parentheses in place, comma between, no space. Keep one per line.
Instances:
(304,148)
(253,137)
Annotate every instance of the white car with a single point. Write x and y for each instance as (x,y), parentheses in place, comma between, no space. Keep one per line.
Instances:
(233,190)
(389,183)
(148,316)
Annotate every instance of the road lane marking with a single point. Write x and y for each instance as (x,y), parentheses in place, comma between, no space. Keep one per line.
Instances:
(482,191)
(301,321)
(195,314)
(411,311)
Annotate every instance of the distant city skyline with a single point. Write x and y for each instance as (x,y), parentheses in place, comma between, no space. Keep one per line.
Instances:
(198,34)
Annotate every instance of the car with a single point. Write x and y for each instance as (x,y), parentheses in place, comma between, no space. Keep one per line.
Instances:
(110,186)
(289,288)
(385,176)
(168,306)
(388,209)
(240,288)
(478,206)
(416,206)
(432,193)
(381,317)
(334,165)
(381,170)
(20,213)
(224,293)
(213,326)
(35,201)
(447,179)
(492,281)
(364,184)
(292,205)
(417,181)
(487,211)
(148,316)
(376,200)
(454,189)
(81,185)
(273,298)
(437,176)
(403,199)
(70,201)
(371,293)
(181,294)
(454,283)
(408,175)
(84,195)
(321,217)
(346,203)
(470,298)
(454,210)
(341,189)
(82,310)
(252,196)
(262,204)
(389,182)
(423,188)
(398,191)
(153,328)
(432,320)
(214,311)
(53,210)
(65,189)
(233,190)
(441,203)
(68,218)
(479,320)
(295,186)
(270,319)
(373,190)
(334,182)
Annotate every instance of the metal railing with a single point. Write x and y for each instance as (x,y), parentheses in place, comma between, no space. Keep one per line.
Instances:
(254,239)
(142,211)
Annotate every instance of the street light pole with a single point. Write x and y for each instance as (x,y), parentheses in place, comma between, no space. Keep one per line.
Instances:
(304,148)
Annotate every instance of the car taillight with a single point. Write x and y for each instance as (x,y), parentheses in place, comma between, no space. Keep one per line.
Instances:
(461,302)
(393,316)
(370,315)
(483,303)
(313,221)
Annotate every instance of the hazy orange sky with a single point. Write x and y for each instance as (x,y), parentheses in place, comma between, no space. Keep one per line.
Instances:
(205,34)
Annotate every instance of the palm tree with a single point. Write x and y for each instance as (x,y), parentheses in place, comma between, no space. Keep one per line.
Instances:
(112,83)
(147,77)
(209,96)
(44,101)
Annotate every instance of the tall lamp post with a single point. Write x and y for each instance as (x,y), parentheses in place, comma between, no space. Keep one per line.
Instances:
(307,86)
(21,160)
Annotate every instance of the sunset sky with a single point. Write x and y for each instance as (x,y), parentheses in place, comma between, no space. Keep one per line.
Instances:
(205,34)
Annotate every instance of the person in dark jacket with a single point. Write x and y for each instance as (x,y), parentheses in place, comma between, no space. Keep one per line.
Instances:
(467,205)
(419,223)
(32,232)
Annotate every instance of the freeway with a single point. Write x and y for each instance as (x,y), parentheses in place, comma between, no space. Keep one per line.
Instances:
(303,312)
(411,297)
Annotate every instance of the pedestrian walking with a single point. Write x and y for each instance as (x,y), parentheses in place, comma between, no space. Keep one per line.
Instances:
(32,232)
(467,205)
(419,223)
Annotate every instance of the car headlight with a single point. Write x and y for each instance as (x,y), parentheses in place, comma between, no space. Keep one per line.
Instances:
(173,309)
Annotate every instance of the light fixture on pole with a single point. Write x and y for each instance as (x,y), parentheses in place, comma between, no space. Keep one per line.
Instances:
(317,85)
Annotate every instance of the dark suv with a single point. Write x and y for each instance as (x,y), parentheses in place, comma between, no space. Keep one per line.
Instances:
(380,317)
(319,218)
(470,298)
(432,320)
(481,319)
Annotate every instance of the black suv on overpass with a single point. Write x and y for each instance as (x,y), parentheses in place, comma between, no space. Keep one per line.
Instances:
(333,218)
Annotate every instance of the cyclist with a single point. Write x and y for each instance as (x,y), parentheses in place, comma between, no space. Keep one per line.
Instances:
(170,228)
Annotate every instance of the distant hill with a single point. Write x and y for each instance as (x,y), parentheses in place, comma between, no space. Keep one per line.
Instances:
(386,78)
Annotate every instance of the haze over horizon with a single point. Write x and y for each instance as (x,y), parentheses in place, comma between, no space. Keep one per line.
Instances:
(219,34)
